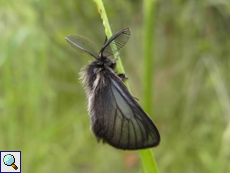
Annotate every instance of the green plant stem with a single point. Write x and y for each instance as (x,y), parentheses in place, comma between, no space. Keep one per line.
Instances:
(148,161)
(148,29)
(147,158)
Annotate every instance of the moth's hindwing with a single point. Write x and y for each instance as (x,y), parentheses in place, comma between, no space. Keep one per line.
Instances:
(82,45)
(116,42)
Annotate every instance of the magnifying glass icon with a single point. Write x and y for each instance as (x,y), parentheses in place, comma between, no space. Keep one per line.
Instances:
(9,160)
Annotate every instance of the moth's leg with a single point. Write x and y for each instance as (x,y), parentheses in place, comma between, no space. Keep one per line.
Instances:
(136,98)
(123,77)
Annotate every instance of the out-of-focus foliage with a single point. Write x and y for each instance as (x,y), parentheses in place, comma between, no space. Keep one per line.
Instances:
(43,106)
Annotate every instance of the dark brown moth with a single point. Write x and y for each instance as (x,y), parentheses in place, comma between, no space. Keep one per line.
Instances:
(116,117)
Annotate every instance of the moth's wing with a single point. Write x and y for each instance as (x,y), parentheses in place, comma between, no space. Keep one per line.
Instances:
(82,45)
(122,122)
(116,42)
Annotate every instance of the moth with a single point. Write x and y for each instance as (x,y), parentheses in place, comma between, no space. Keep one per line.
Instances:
(116,117)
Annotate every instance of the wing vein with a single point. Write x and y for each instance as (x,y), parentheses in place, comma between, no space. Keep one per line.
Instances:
(128,135)
(134,134)
(121,129)
(141,131)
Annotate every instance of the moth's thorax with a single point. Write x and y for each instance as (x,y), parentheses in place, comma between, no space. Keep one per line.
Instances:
(96,72)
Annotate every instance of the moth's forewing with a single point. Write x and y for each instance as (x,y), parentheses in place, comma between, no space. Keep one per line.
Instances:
(116,42)
(117,118)
(83,45)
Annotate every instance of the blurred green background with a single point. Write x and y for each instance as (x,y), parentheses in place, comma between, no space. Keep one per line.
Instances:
(43,107)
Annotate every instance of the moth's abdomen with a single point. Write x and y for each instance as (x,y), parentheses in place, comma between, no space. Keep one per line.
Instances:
(95,83)
(88,76)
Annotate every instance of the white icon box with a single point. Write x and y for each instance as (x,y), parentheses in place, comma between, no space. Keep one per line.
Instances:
(10,161)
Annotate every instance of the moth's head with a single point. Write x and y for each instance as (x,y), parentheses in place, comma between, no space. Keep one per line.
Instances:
(107,62)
